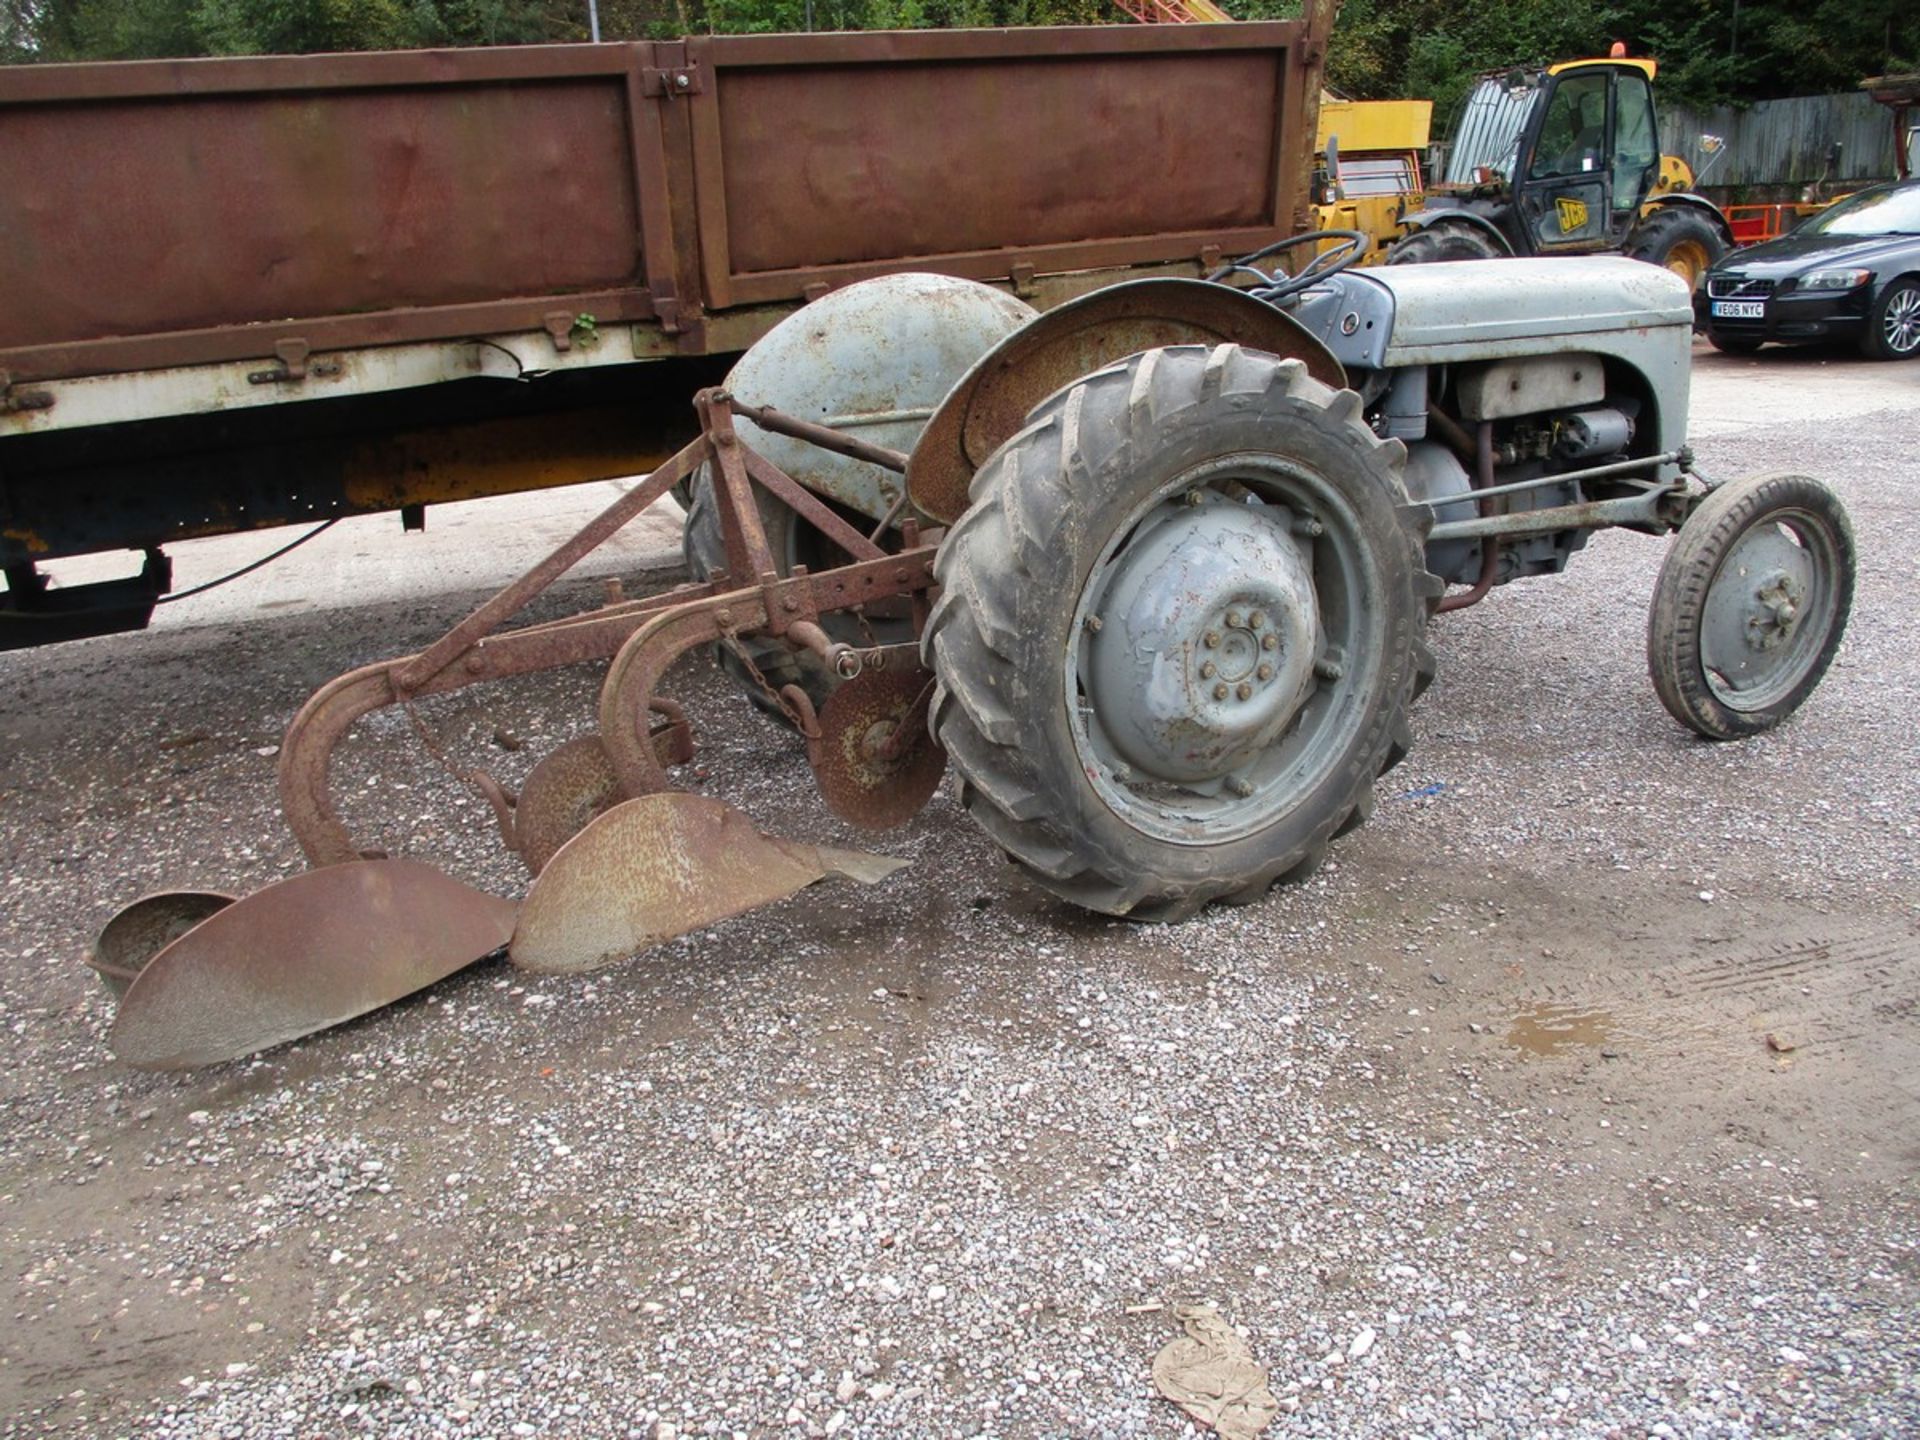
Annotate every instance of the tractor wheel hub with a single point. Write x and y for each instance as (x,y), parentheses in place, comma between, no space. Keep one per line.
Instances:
(1208,631)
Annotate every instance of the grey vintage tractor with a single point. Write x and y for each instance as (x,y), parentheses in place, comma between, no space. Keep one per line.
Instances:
(1153,572)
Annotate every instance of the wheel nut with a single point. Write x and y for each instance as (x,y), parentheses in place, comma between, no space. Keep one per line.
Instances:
(1220,691)
(1244,690)
(1194,497)
(1206,669)
(1306,525)
(1233,619)
(1328,669)
(1265,672)
(1093,624)
(1240,785)
(1211,640)
(1257,619)
(1269,642)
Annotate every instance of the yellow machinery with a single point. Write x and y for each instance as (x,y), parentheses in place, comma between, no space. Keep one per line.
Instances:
(1372,154)
(1564,161)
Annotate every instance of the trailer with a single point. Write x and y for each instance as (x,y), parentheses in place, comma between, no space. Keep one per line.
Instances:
(253,292)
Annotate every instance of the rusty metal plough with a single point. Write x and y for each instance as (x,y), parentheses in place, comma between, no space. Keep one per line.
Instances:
(621,860)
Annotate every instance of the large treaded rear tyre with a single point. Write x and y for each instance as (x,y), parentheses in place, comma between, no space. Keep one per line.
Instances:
(1226,448)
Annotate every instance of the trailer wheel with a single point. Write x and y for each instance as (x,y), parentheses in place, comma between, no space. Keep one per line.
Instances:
(1443,240)
(1750,605)
(1180,628)
(1678,239)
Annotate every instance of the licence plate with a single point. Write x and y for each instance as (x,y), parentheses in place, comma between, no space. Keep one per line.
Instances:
(1739,309)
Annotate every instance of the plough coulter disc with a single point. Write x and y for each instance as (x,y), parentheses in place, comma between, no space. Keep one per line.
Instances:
(128,942)
(562,795)
(301,955)
(876,764)
(665,865)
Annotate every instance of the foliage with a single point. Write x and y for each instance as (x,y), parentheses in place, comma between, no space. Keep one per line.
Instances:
(1710,50)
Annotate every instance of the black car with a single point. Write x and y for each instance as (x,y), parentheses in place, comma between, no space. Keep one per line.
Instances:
(1852,272)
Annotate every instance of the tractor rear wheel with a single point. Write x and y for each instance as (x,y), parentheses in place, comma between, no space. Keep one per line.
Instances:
(1678,239)
(1179,631)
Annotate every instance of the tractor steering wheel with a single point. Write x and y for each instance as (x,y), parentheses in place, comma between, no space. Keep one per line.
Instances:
(1323,266)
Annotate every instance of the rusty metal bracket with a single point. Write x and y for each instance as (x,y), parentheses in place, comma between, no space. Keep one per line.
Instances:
(13,401)
(665,82)
(651,648)
(748,551)
(293,366)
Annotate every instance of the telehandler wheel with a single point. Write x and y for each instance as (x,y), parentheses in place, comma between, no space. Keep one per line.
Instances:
(1677,239)
(1750,605)
(1443,240)
(1179,631)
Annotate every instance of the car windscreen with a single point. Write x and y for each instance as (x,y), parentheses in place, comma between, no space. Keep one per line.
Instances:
(1877,212)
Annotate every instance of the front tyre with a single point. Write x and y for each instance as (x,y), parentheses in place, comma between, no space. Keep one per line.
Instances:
(1750,605)
(1179,631)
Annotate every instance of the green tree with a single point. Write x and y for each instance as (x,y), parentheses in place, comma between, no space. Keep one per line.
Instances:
(1710,50)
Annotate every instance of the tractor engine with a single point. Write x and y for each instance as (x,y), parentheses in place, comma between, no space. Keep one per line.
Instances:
(1511,375)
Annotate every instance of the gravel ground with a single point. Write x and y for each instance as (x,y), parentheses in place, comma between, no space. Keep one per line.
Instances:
(1576,1095)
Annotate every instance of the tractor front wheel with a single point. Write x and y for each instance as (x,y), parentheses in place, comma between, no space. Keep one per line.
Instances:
(1750,605)
(1179,631)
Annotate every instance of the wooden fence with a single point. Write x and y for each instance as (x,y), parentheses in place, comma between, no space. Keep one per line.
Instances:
(1784,142)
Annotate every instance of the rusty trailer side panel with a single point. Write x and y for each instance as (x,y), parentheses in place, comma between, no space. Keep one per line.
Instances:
(242,293)
(184,212)
(989,155)
(176,213)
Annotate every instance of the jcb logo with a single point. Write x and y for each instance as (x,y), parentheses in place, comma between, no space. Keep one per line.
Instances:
(1573,216)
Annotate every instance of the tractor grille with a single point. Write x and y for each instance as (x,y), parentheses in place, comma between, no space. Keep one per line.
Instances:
(1737,287)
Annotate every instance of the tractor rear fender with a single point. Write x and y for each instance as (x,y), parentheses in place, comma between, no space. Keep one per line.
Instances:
(1073,340)
(1452,214)
(1686,199)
